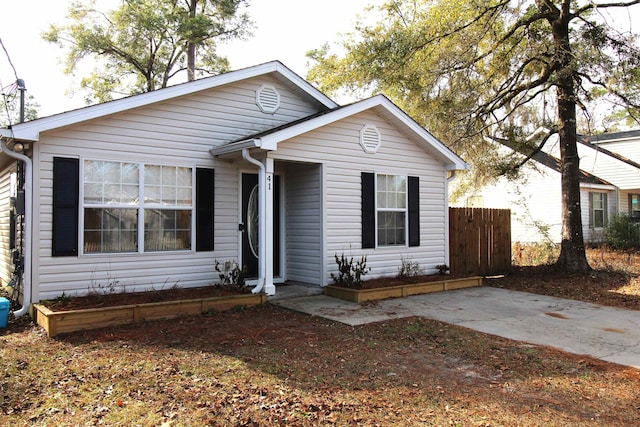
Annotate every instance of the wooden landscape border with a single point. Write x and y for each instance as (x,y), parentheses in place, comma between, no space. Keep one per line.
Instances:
(58,322)
(362,295)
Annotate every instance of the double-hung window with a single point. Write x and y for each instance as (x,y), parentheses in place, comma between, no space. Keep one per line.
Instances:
(391,207)
(598,209)
(134,207)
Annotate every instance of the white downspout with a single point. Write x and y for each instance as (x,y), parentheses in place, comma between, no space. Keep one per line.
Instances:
(261,221)
(28,224)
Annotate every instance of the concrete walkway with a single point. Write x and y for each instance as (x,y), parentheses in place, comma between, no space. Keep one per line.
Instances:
(605,333)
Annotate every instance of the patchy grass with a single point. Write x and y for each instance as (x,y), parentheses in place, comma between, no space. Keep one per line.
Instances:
(268,366)
(615,280)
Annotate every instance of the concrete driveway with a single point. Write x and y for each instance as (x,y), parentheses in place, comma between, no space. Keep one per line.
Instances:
(605,333)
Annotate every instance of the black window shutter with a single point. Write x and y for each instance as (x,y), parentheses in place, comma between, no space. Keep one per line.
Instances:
(66,181)
(368,210)
(413,190)
(204,209)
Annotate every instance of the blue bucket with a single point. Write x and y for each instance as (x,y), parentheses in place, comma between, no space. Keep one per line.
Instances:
(4,312)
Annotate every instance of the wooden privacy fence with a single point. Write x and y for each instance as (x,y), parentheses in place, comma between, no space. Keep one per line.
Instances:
(479,241)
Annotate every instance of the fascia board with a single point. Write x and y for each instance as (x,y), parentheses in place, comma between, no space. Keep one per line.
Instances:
(30,131)
(597,186)
(235,147)
(452,161)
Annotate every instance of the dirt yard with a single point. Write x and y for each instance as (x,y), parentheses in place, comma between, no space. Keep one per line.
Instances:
(268,366)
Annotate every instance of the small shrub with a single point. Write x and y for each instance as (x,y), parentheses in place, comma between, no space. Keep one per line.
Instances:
(409,268)
(442,268)
(349,272)
(231,275)
(622,233)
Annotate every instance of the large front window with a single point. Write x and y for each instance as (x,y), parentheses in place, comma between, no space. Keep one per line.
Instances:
(391,206)
(130,204)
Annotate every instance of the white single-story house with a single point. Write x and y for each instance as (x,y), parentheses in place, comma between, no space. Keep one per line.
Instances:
(254,166)
(609,184)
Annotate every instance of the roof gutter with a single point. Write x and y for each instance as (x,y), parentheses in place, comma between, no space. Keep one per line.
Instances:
(26,302)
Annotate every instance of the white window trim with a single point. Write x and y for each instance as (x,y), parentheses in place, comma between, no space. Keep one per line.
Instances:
(140,207)
(604,209)
(405,210)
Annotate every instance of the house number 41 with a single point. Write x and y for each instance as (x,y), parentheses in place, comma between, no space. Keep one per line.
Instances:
(269,179)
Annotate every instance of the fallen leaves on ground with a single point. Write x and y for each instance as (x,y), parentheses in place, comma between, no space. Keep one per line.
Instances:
(268,366)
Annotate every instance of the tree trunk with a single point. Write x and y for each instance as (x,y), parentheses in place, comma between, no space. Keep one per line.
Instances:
(572,252)
(191,47)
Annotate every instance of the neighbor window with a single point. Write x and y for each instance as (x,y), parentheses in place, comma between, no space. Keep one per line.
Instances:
(123,201)
(634,206)
(598,209)
(391,208)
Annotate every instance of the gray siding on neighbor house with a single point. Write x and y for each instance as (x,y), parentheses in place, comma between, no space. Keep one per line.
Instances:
(337,147)
(177,132)
(303,222)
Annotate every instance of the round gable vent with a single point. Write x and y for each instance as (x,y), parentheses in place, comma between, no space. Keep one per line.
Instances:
(370,139)
(268,99)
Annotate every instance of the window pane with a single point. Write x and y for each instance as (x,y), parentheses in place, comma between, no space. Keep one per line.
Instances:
(111,172)
(93,193)
(152,193)
(110,230)
(391,228)
(110,182)
(598,218)
(184,177)
(152,175)
(168,195)
(130,173)
(168,176)
(634,209)
(167,230)
(597,200)
(184,197)
(168,185)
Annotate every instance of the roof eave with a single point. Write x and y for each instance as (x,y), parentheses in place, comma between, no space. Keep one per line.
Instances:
(30,131)
(444,154)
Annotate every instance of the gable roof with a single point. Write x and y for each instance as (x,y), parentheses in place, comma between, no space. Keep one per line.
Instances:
(612,136)
(586,141)
(268,140)
(553,163)
(30,131)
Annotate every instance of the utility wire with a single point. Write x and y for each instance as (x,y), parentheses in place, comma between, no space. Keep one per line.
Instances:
(13,87)
(15,73)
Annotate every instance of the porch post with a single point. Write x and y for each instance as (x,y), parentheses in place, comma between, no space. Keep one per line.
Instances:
(269,287)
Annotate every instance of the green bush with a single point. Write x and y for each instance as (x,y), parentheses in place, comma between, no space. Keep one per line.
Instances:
(622,233)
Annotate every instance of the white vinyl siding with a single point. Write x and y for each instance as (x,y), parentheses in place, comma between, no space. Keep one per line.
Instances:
(178,132)
(338,147)
(303,223)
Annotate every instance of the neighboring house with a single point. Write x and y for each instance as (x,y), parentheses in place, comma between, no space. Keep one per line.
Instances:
(255,166)
(616,158)
(535,195)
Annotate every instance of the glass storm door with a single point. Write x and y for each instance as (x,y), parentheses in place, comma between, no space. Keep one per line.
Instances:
(250,227)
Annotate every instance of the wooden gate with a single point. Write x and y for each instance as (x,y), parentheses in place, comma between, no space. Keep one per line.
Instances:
(479,241)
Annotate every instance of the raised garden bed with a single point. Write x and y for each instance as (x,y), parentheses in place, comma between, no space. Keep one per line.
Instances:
(401,290)
(55,321)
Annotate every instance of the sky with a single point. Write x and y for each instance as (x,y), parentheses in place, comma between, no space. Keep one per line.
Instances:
(285,30)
